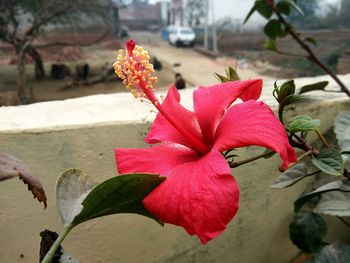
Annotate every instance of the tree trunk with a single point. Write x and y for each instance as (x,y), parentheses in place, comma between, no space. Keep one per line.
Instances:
(22,89)
(39,65)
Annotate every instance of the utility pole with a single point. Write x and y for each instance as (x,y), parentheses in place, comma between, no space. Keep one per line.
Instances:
(215,43)
(206,8)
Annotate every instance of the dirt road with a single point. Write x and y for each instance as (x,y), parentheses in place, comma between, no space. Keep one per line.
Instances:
(197,69)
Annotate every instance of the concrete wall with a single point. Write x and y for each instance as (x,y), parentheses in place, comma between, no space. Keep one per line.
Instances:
(50,137)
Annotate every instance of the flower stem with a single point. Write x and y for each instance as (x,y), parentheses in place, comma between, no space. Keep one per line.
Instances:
(236,164)
(322,139)
(49,255)
(309,152)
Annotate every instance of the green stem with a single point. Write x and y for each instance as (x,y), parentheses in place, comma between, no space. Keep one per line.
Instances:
(304,155)
(49,255)
(322,139)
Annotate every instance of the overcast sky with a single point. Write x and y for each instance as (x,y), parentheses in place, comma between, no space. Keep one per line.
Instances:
(238,9)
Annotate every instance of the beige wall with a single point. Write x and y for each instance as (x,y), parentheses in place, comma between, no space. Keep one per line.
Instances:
(259,233)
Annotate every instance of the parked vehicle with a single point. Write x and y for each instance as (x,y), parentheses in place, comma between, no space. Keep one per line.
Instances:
(181,36)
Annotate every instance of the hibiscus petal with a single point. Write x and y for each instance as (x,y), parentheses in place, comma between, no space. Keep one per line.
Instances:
(163,131)
(161,159)
(210,103)
(253,123)
(200,196)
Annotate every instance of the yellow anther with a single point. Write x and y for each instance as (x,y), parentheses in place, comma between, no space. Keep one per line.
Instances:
(135,71)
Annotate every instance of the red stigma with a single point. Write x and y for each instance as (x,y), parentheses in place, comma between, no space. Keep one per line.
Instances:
(130,45)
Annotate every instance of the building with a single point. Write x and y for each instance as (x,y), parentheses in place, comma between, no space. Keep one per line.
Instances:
(140,15)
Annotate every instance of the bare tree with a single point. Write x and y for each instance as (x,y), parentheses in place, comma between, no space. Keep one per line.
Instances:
(22,21)
(195,12)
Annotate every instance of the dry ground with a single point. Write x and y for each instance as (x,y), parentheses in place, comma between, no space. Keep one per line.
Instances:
(97,56)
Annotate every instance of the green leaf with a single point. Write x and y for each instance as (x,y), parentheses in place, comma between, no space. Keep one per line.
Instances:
(303,123)
(274,29)
(292,98)
(334,203)
(250,13)
(120,194)
(311,40)
(316,86)
(221,78)
(286,89)
(295,6)
(329,161)
(71,189)
(291,176)
(284,7)
(342,126)
(334,253)
(232,74)
(307,231)
(338,185)
(263,8)
(270,44)
(345,146)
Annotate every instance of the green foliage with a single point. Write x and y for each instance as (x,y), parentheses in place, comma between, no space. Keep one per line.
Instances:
(270,44)
(307,231)
(312,198)
(78,201)
(329,161)
(311,40)
(231,75)
(342,126)
(285,94)
(274,29)
(262,8)
(315,86)
(303,123)
(120,194)
(291,176)
(282,92)
(334,203)
(284,7)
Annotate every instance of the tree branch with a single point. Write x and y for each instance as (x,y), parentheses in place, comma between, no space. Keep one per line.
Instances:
(311,55)
(38,22)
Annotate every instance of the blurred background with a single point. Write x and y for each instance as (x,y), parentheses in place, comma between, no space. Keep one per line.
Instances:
(51,50)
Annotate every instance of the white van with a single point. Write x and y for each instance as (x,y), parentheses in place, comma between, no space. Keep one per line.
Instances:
(179,36)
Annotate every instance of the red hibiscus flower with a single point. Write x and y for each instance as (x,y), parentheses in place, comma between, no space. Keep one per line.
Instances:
(199,192)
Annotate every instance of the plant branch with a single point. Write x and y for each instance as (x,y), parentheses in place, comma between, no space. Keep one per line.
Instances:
(38,22)
(309,152)
(49,255)
(281,52)
(252,159)
(344,221)
(322,138)
(311,55)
